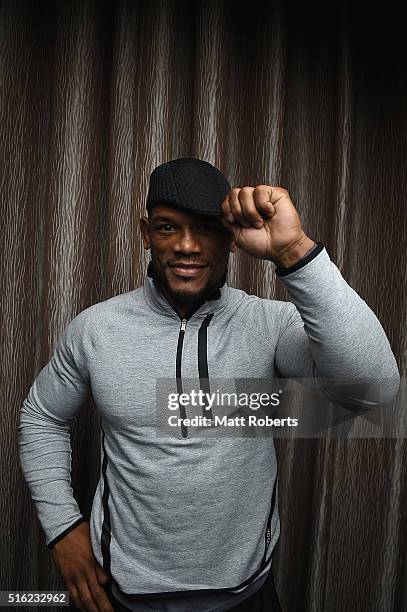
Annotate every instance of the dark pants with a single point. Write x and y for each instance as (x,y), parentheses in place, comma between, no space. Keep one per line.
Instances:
(264,600)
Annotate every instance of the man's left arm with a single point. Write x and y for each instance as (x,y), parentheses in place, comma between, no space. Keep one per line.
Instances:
(331,333)
(328,331)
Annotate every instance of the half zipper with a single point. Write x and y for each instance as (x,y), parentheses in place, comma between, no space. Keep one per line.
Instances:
(182,413)
(202,367)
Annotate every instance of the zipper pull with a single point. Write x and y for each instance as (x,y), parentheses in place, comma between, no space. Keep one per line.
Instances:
(183,324)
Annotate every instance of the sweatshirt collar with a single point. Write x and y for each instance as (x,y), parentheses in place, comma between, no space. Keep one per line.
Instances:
(214,303)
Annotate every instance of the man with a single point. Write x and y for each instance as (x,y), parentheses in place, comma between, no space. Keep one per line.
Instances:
(180,522)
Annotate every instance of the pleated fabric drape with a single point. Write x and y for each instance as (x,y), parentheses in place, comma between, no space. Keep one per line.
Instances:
(95,94)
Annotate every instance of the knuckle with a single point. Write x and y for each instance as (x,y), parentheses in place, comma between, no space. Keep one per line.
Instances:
(99,593)
(73,596)
(73,576)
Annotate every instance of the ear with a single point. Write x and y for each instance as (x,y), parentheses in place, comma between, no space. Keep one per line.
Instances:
(145,232)
(229,229)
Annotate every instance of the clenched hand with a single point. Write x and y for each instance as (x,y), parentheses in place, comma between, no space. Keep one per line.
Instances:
(265,224)
(83,576)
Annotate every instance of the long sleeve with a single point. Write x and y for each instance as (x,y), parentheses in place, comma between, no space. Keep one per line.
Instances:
(329,332)
(53,401)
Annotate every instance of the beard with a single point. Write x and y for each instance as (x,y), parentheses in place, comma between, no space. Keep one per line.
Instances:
(191,299)
(187,297)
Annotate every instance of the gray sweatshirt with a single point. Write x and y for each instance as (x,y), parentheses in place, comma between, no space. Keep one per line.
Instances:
(179,514)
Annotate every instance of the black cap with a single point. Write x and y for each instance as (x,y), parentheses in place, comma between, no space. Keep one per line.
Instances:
(188,183)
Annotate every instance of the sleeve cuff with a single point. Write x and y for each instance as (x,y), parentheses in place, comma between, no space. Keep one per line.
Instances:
(301,262)
(59,537)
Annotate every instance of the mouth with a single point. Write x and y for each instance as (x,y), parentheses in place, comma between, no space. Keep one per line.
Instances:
(184,270)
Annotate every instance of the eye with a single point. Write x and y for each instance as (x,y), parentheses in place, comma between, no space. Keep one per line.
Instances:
(165,227)
(204,228)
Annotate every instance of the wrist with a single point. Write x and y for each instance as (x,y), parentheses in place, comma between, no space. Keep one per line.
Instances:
(294,252)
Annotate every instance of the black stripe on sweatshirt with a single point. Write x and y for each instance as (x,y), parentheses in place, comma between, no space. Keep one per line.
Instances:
(316,249)
(66,531)
(106,526)
(267,534)
(203,361)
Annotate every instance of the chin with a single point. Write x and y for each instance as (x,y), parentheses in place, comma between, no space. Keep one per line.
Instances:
(188,295)
(188,291)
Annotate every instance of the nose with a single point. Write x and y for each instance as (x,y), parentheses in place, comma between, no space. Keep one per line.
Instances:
(187,243)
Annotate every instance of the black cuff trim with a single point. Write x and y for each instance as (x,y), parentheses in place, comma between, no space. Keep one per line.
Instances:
(64,533)
(301,262)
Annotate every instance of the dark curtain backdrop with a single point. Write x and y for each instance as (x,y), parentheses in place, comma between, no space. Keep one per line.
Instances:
(94,95)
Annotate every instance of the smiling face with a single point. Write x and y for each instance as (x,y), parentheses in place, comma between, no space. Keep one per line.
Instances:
(189,252)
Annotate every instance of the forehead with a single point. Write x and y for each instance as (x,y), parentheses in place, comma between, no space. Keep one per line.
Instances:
(183,217)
